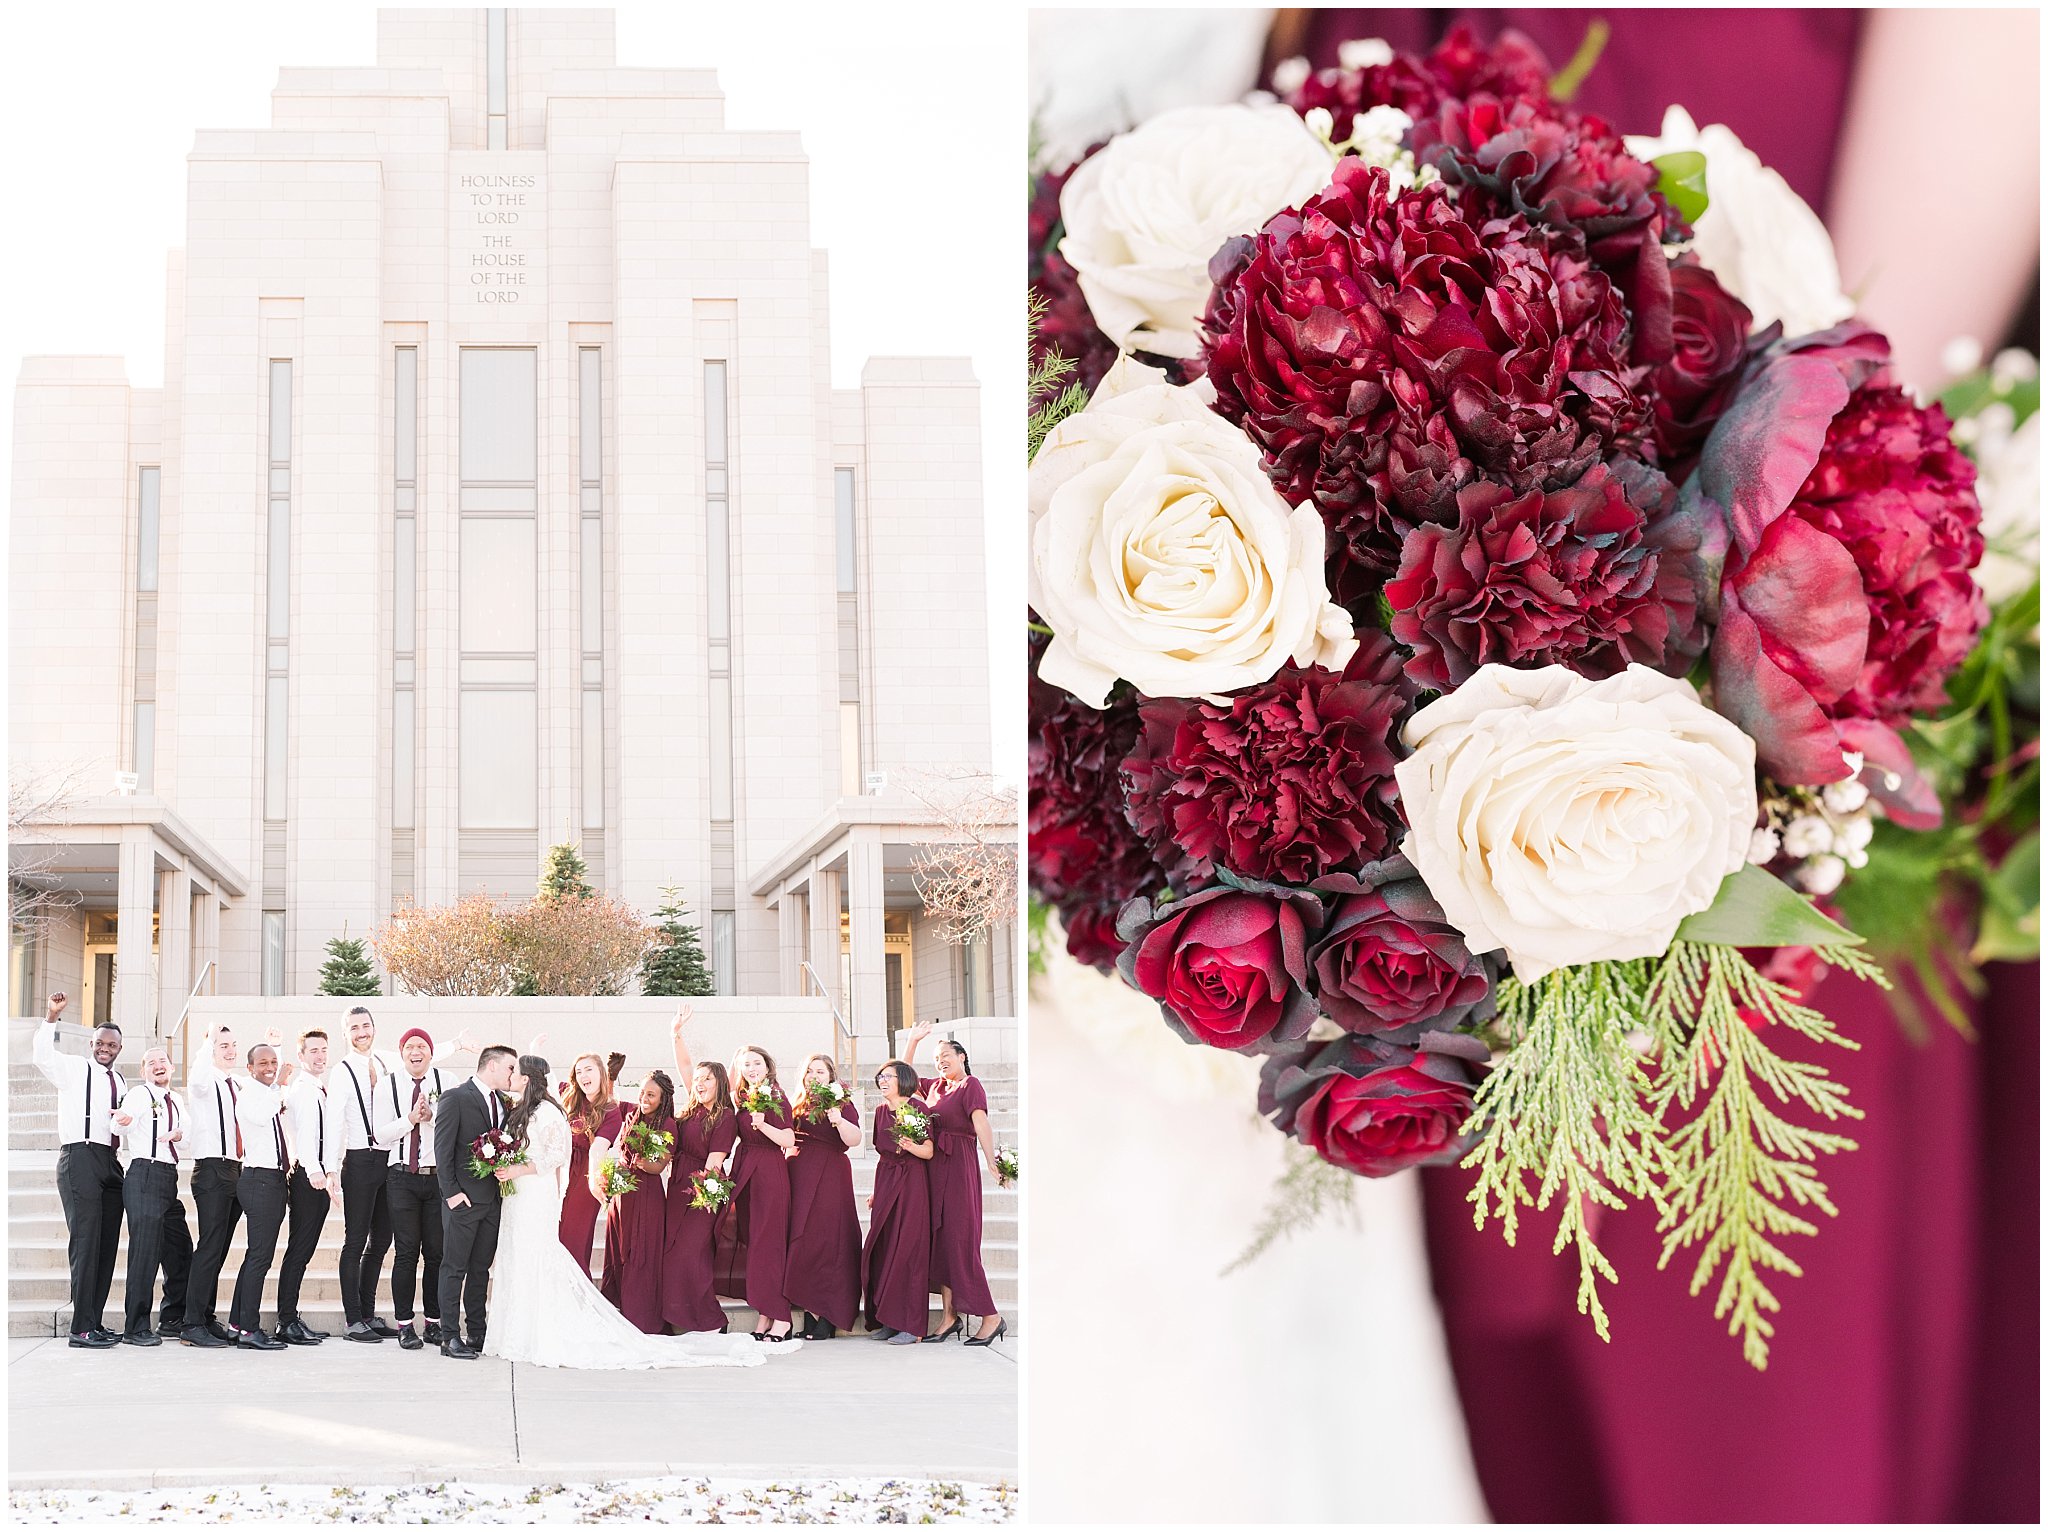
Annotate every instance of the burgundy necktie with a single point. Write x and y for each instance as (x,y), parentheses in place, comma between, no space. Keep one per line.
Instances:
(412,1156)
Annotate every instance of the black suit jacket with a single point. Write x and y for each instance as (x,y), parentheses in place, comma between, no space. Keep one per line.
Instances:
(460,1118)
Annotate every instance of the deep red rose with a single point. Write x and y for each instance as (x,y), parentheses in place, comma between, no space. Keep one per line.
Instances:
(1067,325)
(1846,598)
(1510,66)
(1372,1108)
(1284,781)
(1086,860)
(1228,967)
(1385,352)
(1710,342)
(1387,957)
(1580,577)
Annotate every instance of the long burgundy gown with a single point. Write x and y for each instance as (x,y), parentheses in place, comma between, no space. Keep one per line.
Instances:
(635,1234)
(753,1232)
(688,1301)
(823,1276)
(1904,1383)
(956,1195)
(897,1259)
(579,1207)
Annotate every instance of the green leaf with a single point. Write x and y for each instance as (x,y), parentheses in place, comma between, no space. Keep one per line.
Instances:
(2011,926)
(1682,178)
(1754,909)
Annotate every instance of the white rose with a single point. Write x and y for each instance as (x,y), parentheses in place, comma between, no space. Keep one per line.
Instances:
(1144,215)
(1763,243)
(1572,821)
(1162,555)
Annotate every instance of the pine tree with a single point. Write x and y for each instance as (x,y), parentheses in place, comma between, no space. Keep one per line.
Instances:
(347,970)
(564,875)
(677,966)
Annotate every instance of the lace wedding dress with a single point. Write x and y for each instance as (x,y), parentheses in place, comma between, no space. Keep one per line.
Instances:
(545,1311)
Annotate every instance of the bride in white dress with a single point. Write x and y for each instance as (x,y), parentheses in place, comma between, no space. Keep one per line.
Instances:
(543,1309)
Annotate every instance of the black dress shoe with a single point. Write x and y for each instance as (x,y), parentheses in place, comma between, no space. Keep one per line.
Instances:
(199,1335)
(106,1335)
(475,1343)
(434,1336)
(384,1329)
(408,1338)
(361,1331)
(220,1332)
(141,1338)
(296,1334)
(256,1340)
(1002,1328)
(316,1334)
(456,1349)
(91,1340)
(949,1332)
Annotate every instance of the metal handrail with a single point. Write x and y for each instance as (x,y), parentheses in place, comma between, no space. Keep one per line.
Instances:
(825,994)
(178,1026)
(848,1045)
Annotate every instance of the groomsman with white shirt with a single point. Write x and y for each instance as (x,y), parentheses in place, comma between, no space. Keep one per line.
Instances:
(259,1113)
(404,1109)
(366,1215)
(89,1182)
(152,1122)
(314,1184)
(214,1142)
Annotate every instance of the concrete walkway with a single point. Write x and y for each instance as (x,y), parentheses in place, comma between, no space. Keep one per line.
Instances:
(344,1414)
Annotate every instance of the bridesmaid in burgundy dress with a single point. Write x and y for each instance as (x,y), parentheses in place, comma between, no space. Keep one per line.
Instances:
(759,1213)
(705,1133)
(586,1102)
(635,1225)
(959,1111)
(823,1277)
(898,1254)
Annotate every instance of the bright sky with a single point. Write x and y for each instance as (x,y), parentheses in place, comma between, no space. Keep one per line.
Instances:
(914,129)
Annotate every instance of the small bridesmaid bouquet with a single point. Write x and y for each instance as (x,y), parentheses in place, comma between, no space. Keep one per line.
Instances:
(1006,1164)
(647,1143)
(493,1149)
(759,1099)
(615,1178)
(710,1191)
(821,1101)
(911,1124)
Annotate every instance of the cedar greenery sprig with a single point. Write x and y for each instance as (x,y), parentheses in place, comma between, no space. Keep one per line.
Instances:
(1307,1191)
(1049,395)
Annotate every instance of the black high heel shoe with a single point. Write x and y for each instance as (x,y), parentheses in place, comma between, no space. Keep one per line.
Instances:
(949,1332)
(1002,1328)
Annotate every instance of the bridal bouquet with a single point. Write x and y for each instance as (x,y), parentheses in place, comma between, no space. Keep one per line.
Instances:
(910,1123)
(1480,612)
(710,1191)
(821,1101)
(491,1149)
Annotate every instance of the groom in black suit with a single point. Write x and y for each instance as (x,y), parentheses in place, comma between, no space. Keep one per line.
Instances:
(469,1217)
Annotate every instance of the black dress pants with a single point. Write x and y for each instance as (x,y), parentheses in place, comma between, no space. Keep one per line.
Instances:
(89,1190)
(158,1239)
(307,1207)
(469,1242)
(213,1198)
(367,1231)
(415,1201)
(262,1196)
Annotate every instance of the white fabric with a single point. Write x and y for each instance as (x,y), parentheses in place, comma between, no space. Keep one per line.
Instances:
(82,1086)
(259,1107)
(546,1312)
(393,1107)
(311,1121)
(152,1114)
(359,1073)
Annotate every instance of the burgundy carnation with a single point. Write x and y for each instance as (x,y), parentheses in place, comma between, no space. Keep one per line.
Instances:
(1067,325)
(1458,66)
(1374,1108)
(1387,957)
(1228,966)
(1385,352)
(1580,577)
(1283,781)
(1710,342)
(1892,487)
(1085,858)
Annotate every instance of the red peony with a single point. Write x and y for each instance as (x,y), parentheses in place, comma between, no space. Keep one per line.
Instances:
(1283,781)
(1067,326)
(1709,344)
(1580,577)
(1371,1107)
(1388,957)
(1386,352)
(1086,860)
(1227,966)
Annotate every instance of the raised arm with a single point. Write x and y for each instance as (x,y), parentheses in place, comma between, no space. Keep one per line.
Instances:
(914,1036)
(43,1047)
(684,1067)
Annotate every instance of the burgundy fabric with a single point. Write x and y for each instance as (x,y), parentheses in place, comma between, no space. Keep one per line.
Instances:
(956,1196)
(753,1232)
(1903,1383)
(635,1235)
(579,1207)
(897,1258)
(823,1274)
(689,1300)
(1779,78)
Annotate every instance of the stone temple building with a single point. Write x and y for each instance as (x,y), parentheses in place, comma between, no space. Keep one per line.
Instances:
(497,494)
